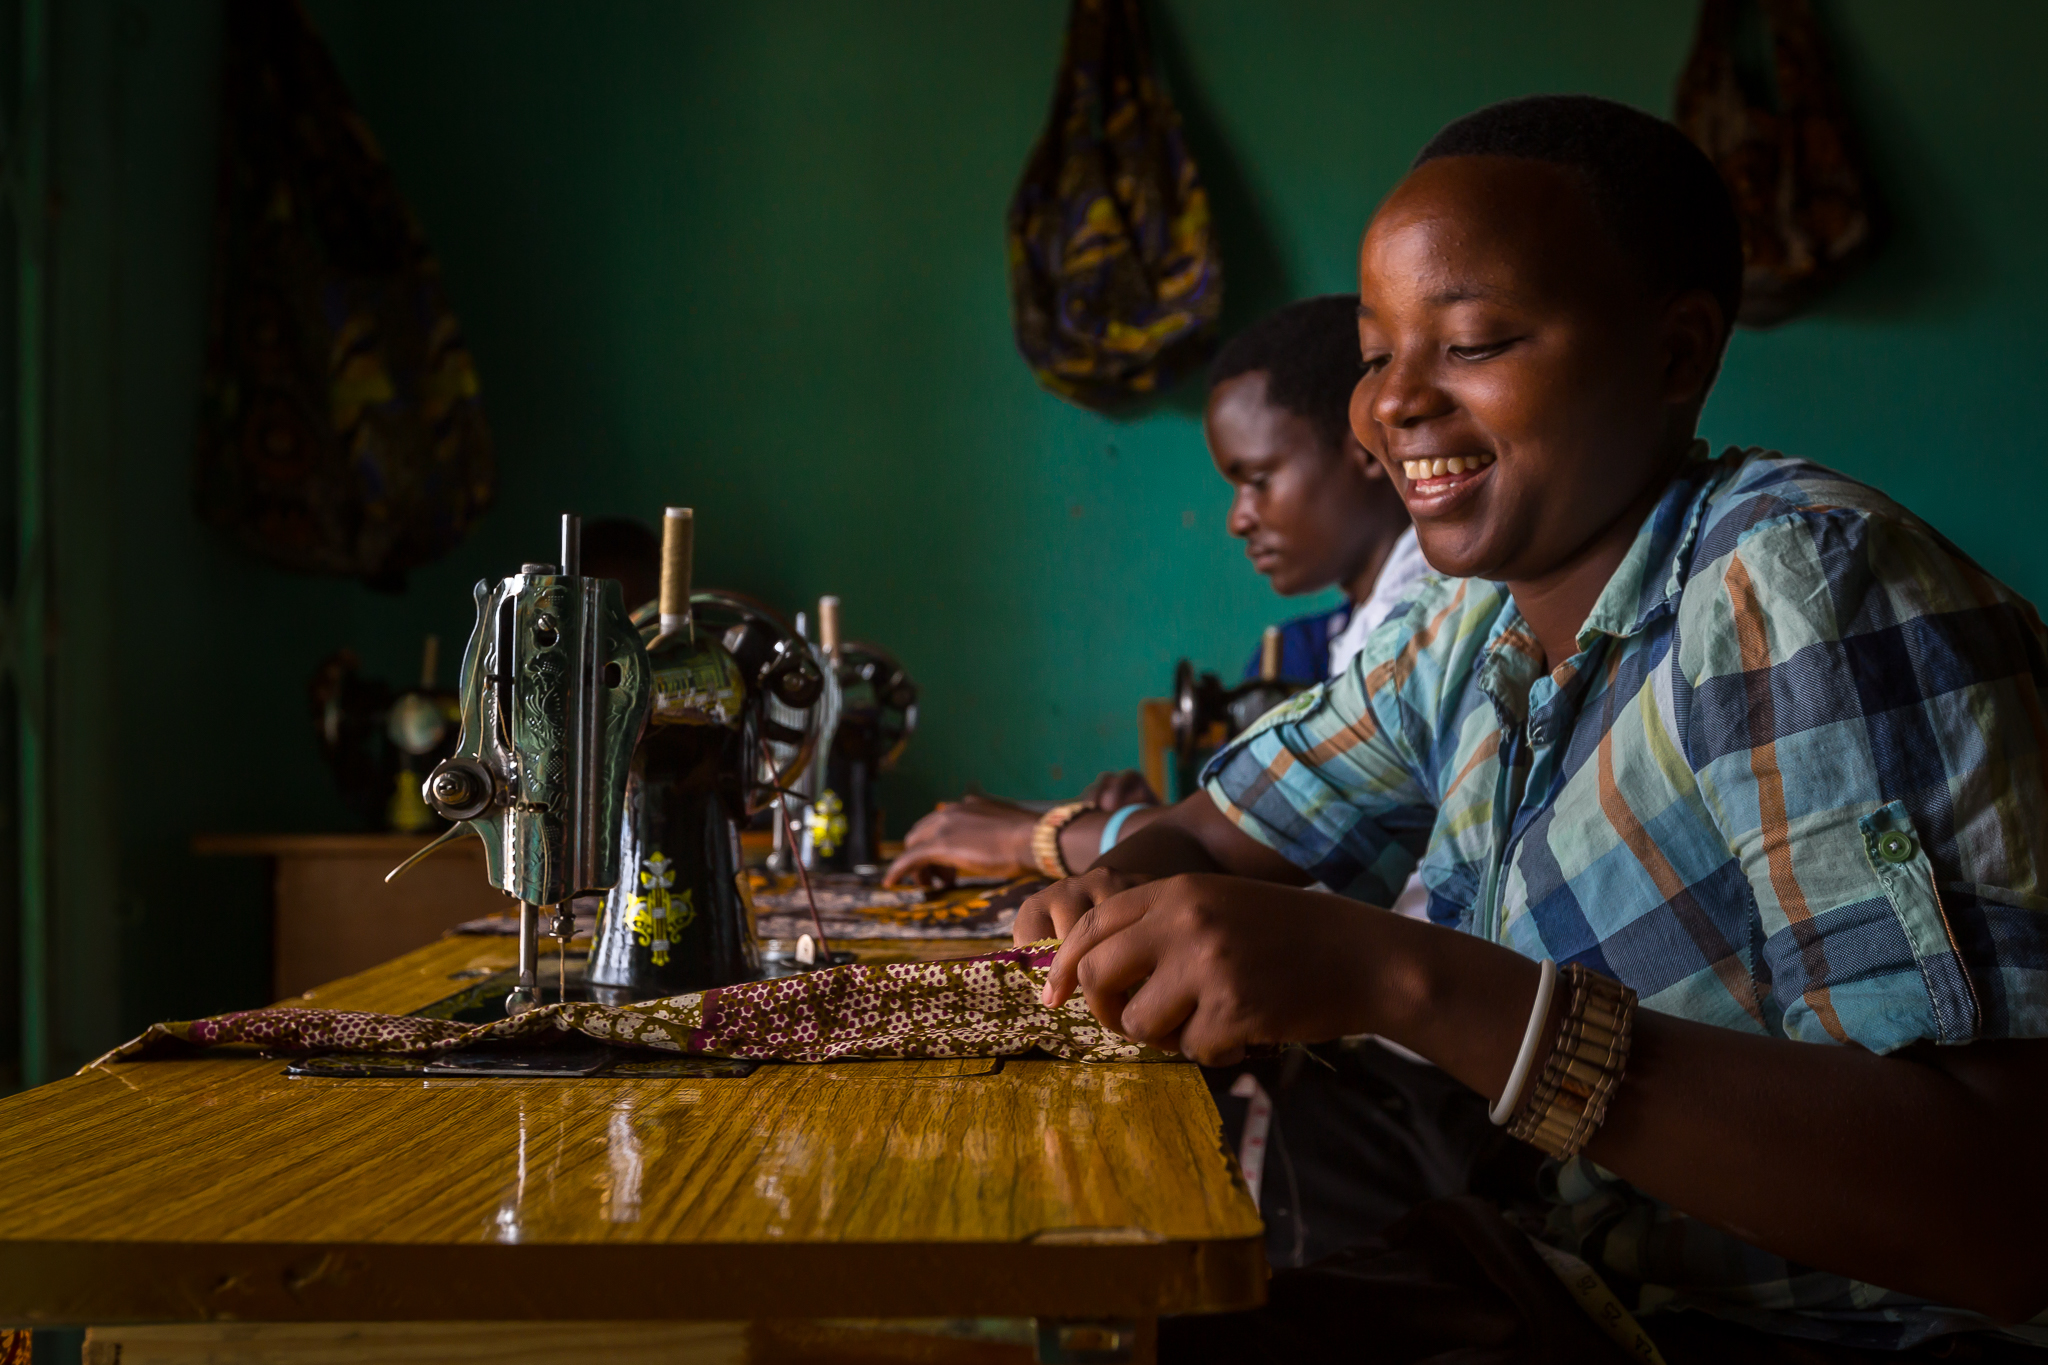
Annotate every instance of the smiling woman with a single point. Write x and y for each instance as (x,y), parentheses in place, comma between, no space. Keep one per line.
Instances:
(1739,737)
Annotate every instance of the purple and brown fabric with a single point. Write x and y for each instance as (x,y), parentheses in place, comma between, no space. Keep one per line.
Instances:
(986,1006)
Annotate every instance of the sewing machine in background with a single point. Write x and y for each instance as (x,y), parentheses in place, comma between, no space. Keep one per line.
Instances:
(1206,715)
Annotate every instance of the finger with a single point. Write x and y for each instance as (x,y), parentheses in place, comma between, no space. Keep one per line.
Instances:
(1119,969)
(909,862)
(1033,923)
(1044,913)
(927,829)
(1214,1034)
(1100,921)
(903,868)
(1132,985)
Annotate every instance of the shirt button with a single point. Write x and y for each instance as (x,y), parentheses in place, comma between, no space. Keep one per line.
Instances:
(1895,847)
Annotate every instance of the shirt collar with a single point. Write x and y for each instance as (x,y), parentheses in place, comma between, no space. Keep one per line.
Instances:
(1651,576)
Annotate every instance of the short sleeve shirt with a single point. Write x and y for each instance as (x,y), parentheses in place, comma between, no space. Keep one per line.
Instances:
(1789,784)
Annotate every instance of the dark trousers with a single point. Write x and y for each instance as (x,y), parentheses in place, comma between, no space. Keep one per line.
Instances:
(1383,1192)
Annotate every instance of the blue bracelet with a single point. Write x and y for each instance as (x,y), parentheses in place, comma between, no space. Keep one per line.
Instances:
(1115,827)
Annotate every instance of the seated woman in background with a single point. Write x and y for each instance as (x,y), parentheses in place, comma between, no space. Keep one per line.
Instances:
(1314,512)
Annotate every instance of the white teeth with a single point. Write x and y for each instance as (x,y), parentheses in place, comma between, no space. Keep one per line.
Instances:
(1417,470)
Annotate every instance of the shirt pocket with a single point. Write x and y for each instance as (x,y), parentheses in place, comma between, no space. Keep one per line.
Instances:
(1898,857)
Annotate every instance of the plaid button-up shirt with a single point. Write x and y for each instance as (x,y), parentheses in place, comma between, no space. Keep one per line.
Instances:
(1793,783)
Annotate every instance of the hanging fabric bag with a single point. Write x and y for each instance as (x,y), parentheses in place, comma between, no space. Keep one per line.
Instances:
(341,431)
(1805,206)
(1115,284)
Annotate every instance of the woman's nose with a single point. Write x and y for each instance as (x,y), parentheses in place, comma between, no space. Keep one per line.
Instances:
(1406,395)
(1241,522)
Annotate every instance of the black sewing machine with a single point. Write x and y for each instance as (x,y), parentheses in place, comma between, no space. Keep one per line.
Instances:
(1207,715)
(735,696)
(875,716)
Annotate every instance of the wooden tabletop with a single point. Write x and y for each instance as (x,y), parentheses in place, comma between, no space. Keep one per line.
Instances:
(211,1188)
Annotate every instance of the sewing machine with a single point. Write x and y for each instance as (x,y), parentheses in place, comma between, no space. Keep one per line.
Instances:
(876,716)
(734,715)
(555,690)
(1207,715)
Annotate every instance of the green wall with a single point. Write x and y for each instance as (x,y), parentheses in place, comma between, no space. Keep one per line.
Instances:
(750,257)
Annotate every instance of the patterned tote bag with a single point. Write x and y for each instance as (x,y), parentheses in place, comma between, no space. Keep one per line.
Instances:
(1806,208)
(1115,283)
(341,431)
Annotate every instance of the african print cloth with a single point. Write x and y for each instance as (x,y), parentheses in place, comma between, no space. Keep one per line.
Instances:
(1805,206)
(986,1006)
(1115,282)
(851,908)
(340,431)
(1790,784)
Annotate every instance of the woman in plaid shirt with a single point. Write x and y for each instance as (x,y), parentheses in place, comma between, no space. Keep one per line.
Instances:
(1738,733)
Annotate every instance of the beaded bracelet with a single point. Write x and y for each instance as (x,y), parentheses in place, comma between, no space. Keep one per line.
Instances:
(1045,838)
(1568,1102)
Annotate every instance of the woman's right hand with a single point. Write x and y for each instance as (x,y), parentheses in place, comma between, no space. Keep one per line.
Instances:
(1052,912)
(972,837)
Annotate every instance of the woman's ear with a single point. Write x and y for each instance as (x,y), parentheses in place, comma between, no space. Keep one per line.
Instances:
(1696,333)
(1363,458)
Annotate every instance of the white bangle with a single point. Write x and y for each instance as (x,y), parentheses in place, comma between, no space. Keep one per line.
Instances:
(1518,1079)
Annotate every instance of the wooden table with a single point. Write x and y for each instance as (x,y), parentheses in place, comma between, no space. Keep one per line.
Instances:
(216,1188)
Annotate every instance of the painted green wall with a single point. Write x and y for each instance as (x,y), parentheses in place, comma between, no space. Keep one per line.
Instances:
(749,257)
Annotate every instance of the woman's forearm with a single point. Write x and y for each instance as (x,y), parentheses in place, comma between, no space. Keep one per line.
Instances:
(1916,1171)
(1192,836)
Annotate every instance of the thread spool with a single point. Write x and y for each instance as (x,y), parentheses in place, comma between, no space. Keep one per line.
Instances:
(828,626)
(1269,655)
(678,537)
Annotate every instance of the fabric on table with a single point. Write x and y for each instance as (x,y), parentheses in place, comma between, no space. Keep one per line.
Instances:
(986,1006)
(851,908)
(1789,785)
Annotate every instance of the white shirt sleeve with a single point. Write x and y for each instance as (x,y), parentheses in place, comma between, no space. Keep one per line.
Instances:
(1405,565)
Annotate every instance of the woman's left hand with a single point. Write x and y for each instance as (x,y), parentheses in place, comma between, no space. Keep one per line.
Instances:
(1208,965)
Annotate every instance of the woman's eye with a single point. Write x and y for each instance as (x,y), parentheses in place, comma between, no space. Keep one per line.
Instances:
(1485,351)
(1375,363)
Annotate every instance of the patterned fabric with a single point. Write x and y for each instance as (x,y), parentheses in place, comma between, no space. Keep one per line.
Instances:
(341,431)
(985,1006)
(852,908)
(1803,202)
(1790,785)
(1115,284)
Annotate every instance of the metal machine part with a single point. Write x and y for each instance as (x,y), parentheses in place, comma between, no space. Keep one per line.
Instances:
(1208,715)
(878,716)
(555,692)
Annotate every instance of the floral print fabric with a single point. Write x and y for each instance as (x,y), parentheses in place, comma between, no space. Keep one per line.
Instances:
(985,1006)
